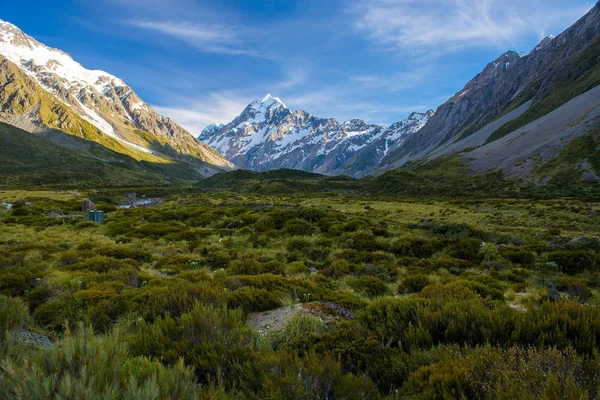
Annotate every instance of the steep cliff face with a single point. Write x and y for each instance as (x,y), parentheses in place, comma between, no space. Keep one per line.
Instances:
(503,85)
(268,135)
(28,68)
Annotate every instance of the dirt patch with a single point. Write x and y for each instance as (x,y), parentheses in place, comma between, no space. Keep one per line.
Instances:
(275,320)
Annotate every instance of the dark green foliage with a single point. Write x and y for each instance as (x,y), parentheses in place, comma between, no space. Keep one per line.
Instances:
(14,315)
(218,259)
(208,339)
(88,366)
(12,284)
(122,252)
(414,283)
(250,299)
(365,241)
(519,256)
(370,286)
(478,291)
(489,373)
(298,226)
(467,249)
(573,261)
(413,247)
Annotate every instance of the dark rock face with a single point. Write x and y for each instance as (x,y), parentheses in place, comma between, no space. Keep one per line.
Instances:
(267,135)
(502,81)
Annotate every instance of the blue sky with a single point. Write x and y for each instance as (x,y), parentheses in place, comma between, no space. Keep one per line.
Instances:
(203,61)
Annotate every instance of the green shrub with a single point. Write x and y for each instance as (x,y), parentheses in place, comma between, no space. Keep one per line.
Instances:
(12,284)
(123,252)
(14,315)
(298,227)
(413,247)
(573,261)
(519,256)
(264,224)
(300,328)
(453,265)
(414,283)
(250,299)
(218,259)
(468,249)
(102,265)
(298,244)
(211,340)
(365,241)
(38,296)
(369,286)
(337,269)
(87,366)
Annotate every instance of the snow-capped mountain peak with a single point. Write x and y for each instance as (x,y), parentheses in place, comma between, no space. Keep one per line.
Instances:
(260,109)
(38,58)
(267,135)
(269,100)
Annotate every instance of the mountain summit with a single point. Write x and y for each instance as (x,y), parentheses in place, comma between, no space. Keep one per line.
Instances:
(44,88)
(268,135)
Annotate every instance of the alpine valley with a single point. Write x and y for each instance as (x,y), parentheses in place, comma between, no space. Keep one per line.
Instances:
(533,117)
(454,254)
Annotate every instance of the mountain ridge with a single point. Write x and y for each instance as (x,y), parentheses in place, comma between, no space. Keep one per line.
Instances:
(268,135)
(99,98)
(494,92)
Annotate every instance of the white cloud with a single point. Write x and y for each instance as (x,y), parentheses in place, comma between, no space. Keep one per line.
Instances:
(454,24)
(211,38)
(397,81)
(195,114)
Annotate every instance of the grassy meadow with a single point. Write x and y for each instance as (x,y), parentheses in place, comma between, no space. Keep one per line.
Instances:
(221,295)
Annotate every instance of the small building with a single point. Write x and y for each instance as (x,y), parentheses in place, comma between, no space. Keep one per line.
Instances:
(96,216)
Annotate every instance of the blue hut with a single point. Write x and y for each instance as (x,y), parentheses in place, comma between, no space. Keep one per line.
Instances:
(96,216)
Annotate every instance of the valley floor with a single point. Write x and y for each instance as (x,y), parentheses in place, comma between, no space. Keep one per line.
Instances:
(221,296)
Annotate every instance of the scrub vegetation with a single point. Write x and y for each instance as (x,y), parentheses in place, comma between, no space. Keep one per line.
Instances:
(221,295)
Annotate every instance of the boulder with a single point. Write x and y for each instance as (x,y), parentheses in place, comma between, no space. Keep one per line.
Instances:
(54,214)
(87,205)
(33,339)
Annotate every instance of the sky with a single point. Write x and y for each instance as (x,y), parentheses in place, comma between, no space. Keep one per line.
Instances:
(200,62)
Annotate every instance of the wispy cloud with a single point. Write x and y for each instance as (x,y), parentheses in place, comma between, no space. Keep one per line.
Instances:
(397,81)
(196,114)
(210,38)
(453,24)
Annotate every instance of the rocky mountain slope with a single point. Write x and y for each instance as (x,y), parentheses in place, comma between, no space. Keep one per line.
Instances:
(509,101)
(45,88)
(268,135)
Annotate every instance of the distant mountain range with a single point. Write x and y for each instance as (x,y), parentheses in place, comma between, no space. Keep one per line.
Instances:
(268,135)
(517,115)
(533,116)
(44,89)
